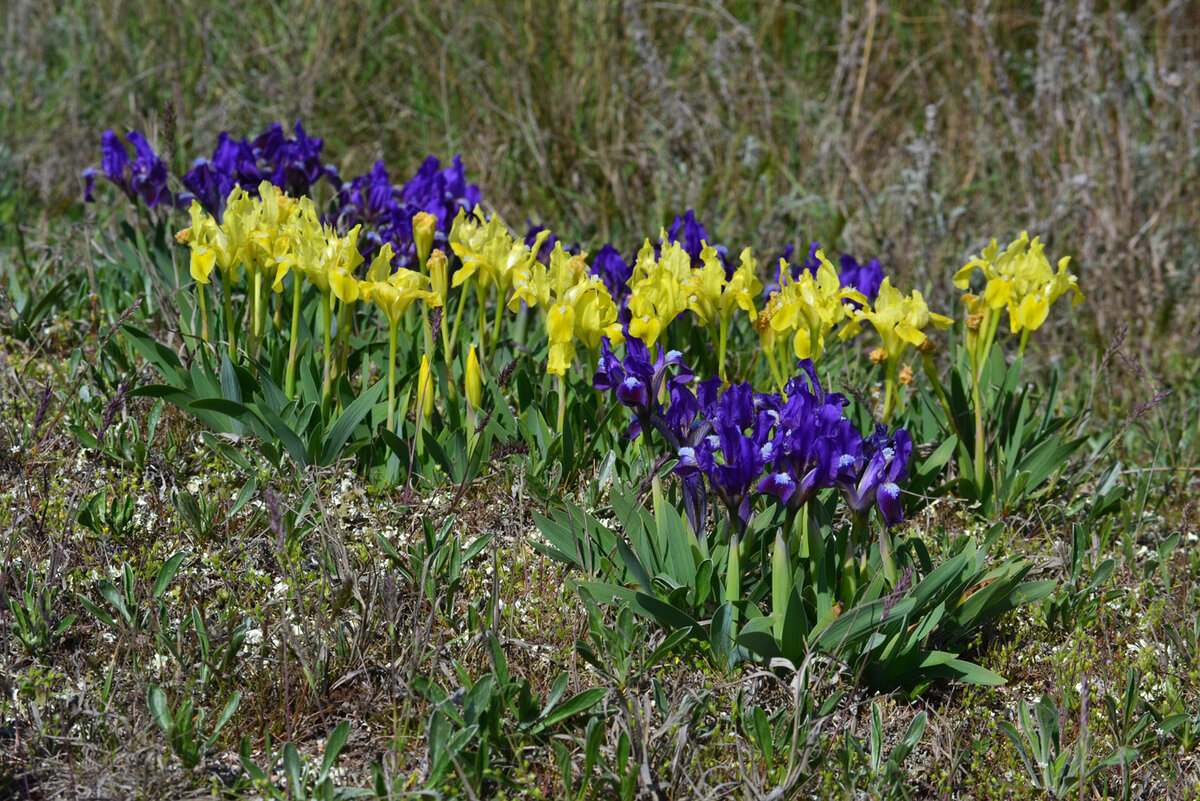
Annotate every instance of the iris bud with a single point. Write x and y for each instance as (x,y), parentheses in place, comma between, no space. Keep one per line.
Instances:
(424,224)
(474,380)
(439,272)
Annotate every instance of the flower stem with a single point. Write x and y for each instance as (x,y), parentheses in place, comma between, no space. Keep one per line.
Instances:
(343,351)
(482,324)
(769,352)
(327,382)
(203,314)
(722,341)
(255,303)
(562,400)
(448,344)
(733,571)
(227,284)
(496,324)
(980,439)
(393,325)
(889,389)
(290,377)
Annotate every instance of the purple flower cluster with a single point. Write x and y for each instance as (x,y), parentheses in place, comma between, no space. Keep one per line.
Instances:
(747,443)
(614,271)
(872,477)
(638,382)
(145,175)
(291,163)
(386,211)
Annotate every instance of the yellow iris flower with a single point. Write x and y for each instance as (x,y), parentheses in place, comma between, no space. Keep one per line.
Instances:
(1021,279)
(662,288)
(899,319)
(577,305)
(808,308)
(394,292)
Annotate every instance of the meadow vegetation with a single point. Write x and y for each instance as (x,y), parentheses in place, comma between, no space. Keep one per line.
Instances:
(291,508)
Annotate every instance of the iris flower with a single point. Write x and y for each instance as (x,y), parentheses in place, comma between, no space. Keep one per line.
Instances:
(144,176)
(1021,279)
(900,320)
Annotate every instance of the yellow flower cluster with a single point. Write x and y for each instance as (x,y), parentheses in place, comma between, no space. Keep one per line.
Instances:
(899,320)
(806,309)
(666,286)
(1021,279)
(273,234)
(575,304)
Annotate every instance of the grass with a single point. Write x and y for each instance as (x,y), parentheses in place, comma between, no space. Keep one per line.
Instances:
(913,134)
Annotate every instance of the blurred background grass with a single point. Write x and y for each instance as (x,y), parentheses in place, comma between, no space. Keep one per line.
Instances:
(908,130)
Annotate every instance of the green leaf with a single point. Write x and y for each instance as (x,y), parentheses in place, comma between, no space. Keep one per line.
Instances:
(333,747)
(855,624)
(166,573)
(968,672)
(673,640)
(113,596)
(666,615)
(243,497)
(295,446)
(96,611)
(230,708)
(163,358)
(933,465)
(156,699)
(437,453)
(580,703)
(174,394)
(349,419)
(556,692)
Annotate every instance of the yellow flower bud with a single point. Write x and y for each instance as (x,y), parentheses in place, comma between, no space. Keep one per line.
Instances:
(424,390)
(474,380)
(424,224)
(439,275)
(878,356)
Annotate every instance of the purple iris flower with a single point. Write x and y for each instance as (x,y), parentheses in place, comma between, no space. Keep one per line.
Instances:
(614,271)
(386,211)
(291,163)
(145,175)
(873,476)
(371,200)
(371,196)
(728,444)
(866,278)
(691,235)
(638,381)
(811,438)
(441,192)
(233,164)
